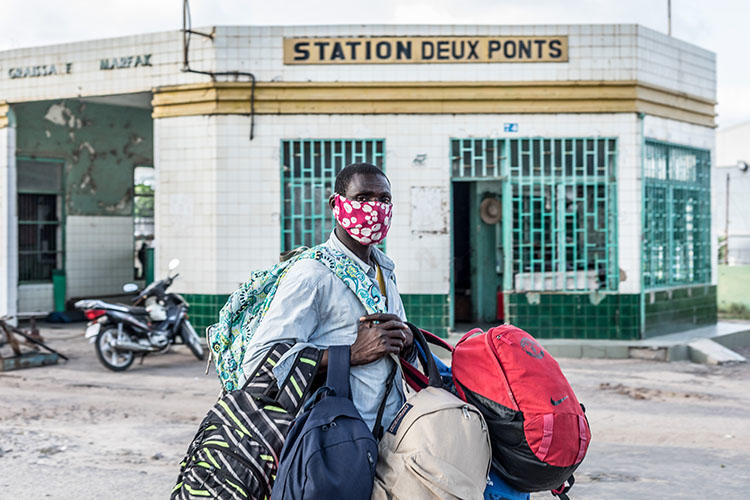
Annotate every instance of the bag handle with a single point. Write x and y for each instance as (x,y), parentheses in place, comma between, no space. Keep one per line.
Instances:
(433,339)
(338,370)
(431,370)
(468,334)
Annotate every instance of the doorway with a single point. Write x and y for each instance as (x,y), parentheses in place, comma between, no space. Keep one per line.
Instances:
(477,252)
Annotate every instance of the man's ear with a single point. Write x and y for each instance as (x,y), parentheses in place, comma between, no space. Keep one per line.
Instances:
(332,201)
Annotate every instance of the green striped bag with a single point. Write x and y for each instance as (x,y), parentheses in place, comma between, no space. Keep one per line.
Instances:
(235,454)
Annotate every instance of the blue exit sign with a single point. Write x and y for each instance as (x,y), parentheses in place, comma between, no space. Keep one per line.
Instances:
(510,127)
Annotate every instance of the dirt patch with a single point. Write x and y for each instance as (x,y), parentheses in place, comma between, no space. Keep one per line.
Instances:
(607,477)
(646,393)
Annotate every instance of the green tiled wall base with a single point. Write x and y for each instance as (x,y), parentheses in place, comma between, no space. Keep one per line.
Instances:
(557,315)
(679,309)
(204,309)
(428,311)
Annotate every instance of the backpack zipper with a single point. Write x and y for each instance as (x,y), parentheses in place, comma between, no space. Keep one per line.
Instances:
(500,366)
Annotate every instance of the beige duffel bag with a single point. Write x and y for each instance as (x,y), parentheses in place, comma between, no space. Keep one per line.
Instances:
(437,447)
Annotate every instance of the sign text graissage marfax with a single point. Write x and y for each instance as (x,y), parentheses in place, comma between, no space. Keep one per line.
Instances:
(424,49)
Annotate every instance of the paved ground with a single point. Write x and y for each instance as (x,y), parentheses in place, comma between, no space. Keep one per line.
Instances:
(76,430)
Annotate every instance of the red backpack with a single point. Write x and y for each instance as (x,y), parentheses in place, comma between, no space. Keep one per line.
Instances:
(539,431)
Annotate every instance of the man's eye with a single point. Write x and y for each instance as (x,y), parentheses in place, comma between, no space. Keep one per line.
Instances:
(361,198)
(385,199)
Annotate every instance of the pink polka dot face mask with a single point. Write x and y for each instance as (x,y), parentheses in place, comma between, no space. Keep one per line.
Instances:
(365,221)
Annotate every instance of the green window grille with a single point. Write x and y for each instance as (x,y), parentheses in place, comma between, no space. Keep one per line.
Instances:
(676,215)
(562,197)
(40,216)
(308,172)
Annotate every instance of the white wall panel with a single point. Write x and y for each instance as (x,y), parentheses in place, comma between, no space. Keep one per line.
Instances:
(597,52)
(35,298)
(99,255)
(234,223)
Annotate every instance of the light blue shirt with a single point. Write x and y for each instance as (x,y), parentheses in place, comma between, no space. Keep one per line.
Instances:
(313,307)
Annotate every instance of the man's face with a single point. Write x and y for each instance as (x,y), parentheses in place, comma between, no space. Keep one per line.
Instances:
(367,187)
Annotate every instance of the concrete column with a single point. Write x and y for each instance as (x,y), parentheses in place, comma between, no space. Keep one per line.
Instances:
(8,217)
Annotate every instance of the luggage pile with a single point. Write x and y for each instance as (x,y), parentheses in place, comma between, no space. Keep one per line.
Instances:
(501,421)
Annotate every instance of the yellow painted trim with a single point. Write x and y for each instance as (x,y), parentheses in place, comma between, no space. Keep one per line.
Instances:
(4,108)
(219,98)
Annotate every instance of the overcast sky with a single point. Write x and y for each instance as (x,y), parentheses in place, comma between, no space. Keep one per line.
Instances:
(718,25)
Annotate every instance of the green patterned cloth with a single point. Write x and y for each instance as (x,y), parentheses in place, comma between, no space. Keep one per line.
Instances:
(245,308)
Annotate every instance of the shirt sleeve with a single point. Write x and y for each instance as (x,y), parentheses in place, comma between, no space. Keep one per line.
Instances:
(292,317)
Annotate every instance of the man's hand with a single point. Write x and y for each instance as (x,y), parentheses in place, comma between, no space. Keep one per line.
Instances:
(379,335)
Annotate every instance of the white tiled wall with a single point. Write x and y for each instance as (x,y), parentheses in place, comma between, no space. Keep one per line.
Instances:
(98,254)
(672,63)
(35,298)
(186,159)
(218,194)
(86,79)
(687,134)
(733,144)
(597,52)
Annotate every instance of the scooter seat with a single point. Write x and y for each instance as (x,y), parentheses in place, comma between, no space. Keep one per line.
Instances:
(137,311)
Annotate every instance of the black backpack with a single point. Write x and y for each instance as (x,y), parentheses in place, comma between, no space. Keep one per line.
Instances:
(330,452)
(235,453)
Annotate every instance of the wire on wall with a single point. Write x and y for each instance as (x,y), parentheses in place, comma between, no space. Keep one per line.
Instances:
(187,32)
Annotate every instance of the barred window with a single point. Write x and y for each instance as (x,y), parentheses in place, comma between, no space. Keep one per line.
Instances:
(308,174)
(40,249)
(562,197)
(677,215)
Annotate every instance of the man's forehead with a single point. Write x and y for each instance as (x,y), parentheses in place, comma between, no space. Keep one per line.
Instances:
(370,183)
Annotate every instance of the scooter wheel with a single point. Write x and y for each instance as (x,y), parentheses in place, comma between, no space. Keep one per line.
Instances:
(192,340)
(109,356)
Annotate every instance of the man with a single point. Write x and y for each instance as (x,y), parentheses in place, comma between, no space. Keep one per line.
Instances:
(313,306)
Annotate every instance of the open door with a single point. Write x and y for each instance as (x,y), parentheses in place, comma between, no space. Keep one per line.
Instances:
(477,252)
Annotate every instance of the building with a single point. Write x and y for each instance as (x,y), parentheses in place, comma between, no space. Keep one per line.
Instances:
(557,177)
(731,173)
(731,184)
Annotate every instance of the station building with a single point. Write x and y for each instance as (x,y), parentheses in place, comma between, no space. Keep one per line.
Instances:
(555,177)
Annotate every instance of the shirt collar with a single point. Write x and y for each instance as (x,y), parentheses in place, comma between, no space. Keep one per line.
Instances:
(385,263)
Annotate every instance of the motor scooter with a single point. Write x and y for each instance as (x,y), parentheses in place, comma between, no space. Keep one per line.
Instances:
(154,322)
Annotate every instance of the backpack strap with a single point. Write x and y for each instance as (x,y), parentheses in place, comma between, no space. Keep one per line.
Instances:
(262,380)
(562,492)
(365,289)
(295,388)
(378,428)
(338,370)
(291,393)
(431,371)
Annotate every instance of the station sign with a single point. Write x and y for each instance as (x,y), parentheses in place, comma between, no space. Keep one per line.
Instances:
(425,49)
